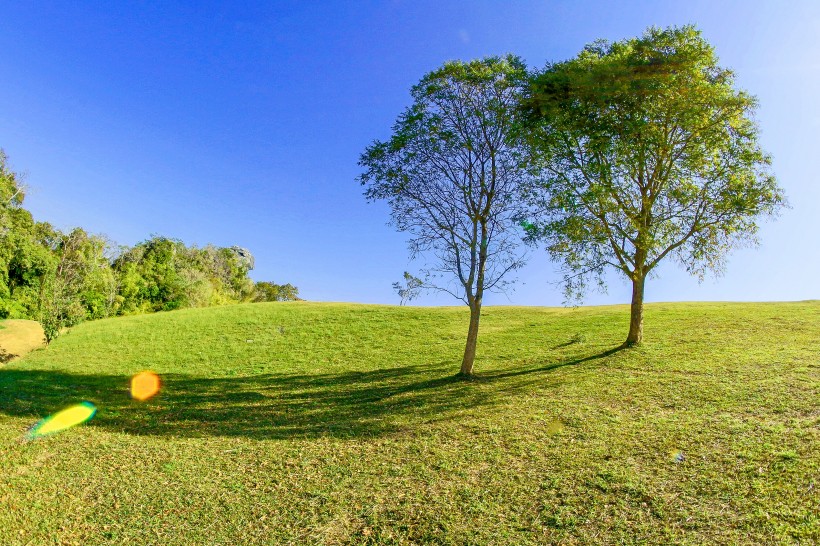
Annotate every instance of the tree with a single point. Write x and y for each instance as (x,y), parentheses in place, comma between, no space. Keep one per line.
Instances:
(62,279)
(150,277)
(268,291)
(162,274)
(25,251)
(80,284)
(649,152)
(410,289)
(449,173)
(12,188)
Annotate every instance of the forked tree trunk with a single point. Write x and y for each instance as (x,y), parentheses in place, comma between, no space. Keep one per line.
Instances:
(636,313)
(472,339)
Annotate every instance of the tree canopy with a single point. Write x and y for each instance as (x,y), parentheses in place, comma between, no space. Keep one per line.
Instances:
(449,173)
(648,151)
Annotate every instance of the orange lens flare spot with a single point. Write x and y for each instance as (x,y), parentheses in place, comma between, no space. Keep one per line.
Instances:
(144,385)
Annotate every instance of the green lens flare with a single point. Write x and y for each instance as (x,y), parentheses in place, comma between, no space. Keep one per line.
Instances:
(67,418)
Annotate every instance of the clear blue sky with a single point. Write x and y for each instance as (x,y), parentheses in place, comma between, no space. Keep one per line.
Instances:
(242,124)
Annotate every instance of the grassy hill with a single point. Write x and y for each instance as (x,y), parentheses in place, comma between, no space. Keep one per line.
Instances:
(312,423)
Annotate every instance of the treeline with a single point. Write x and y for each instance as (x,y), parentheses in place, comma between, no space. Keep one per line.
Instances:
(61,279)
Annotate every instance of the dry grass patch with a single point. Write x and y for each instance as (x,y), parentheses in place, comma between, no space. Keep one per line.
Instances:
(18,338)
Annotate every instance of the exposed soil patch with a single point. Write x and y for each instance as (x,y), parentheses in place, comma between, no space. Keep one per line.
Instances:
(18,338)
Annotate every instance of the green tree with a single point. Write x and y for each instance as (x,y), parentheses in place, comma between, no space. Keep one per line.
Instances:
(233,265)
(268,291)
(449,173)
(161,274)
(410,289)
(150,276)
(650,152)
(62,279)
(12,188)
(25,249)
(80,286)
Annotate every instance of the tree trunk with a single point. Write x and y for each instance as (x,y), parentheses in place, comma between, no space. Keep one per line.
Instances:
(472,339)
(636,313)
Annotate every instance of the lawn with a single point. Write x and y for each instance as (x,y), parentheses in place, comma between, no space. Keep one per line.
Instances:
(309,423)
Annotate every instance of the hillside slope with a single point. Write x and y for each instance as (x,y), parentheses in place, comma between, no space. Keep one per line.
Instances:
(343,424)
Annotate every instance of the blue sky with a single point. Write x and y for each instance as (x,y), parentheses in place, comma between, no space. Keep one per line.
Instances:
(242,123)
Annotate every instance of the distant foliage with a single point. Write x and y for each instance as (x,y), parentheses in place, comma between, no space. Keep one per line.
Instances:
(61,279)
(411,288)
(268,291)
(26,249)
(80,285)
(162,274)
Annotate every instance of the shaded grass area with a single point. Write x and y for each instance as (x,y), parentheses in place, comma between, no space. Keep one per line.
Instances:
(344,424)
(266,406)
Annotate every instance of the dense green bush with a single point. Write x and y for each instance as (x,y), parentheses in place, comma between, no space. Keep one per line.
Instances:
(161,274)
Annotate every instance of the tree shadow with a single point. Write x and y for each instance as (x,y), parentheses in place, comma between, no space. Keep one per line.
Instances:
(6,356)
(555,365)
(266,406)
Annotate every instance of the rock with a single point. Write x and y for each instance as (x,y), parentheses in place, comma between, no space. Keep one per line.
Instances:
(244,255)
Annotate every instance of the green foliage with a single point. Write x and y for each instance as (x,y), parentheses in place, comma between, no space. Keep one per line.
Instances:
(25,249)
(410,289)
(12,189)
(162,274)
(62,279)
(268,291)
(649,151)
(51,324)
(449,172)
(80,286)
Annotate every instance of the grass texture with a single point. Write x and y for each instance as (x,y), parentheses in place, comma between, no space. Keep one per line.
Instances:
(309,423)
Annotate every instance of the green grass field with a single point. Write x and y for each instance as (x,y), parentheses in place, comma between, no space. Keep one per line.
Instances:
(307,423)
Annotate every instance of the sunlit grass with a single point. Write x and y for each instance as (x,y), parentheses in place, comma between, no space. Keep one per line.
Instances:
(18,338)
(344,424)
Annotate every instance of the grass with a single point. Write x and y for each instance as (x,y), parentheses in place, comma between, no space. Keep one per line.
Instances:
(18,338)
(306,423)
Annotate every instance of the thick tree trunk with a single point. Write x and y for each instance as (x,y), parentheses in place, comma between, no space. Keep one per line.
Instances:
(472,339)
(636,313)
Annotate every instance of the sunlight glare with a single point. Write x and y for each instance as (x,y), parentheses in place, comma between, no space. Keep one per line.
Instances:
(67,418)
(144,385)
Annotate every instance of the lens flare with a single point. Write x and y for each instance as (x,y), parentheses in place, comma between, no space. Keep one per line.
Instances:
(554,427)
(63,419)
(677,456)
(144,385)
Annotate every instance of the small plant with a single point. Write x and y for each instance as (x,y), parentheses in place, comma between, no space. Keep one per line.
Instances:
(411,288)
(51,327)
